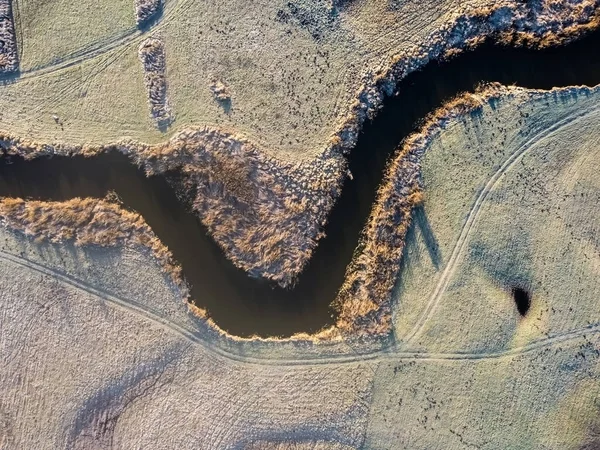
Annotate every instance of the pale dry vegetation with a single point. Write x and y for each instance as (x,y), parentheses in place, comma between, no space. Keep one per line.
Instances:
(295,94)
(220,90)
(364,301)
(146,11)
(266,214)
(9,61)
(560,22)
(86,221)
(301,445)
(152,56)
(540,23)
(238,195)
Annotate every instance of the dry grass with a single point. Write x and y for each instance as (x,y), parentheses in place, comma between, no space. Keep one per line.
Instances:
(561,22)
(300,445)
(8,51)
(220,90)
(146,11)
(238,192)
(540,23)
(364,301)
(87,222)
(267,215)
(152,55)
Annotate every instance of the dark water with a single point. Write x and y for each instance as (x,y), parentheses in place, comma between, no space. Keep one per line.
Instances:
(245,306)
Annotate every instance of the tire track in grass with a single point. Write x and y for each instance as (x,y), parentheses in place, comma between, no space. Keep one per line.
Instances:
(474,213)
(101,47)
(81,85)
(390,353)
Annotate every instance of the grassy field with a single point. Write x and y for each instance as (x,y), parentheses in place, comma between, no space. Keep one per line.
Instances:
(301,74)
(52,31)
(467,369)
(511,201)
(298,79)
(98,348)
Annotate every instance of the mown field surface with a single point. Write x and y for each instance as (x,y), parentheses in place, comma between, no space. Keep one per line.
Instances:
(52,32)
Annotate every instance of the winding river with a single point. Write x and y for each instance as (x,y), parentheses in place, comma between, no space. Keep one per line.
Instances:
(244,306)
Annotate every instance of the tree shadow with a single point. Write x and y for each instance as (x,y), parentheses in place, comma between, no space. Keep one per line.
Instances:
(420,218)
(226,105)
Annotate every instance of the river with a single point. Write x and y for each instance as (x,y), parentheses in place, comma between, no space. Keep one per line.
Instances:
(244,306)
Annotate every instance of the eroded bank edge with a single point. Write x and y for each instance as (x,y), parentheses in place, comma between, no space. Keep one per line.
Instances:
(176,154)
(88,221)
(105,223)
(538,24)
(364,301)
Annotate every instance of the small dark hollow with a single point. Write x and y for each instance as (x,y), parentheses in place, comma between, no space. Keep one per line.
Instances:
(522,300)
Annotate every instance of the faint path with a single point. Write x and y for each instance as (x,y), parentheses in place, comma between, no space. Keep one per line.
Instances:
(195,336)
(173,9)
(473,215)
